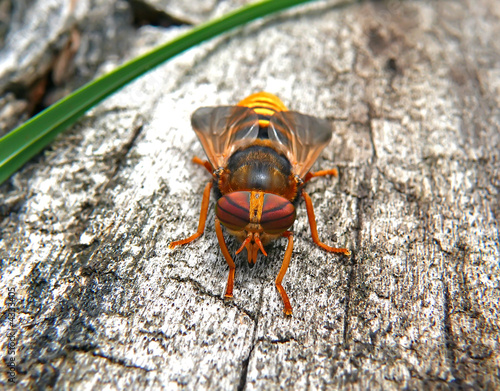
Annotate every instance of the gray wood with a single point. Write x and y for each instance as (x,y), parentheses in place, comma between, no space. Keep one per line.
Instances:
(412,89)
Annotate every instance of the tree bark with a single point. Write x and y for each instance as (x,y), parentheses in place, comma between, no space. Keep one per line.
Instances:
(412,89)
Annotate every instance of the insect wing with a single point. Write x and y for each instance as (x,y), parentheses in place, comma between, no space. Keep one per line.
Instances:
(302,136)
(222,129)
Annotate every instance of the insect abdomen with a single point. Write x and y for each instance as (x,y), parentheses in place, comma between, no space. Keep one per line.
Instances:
(265,105)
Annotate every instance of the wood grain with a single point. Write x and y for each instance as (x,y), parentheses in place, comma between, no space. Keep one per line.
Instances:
(412,89)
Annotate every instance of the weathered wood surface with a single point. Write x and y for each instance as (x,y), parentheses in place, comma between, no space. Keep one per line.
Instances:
(412,89)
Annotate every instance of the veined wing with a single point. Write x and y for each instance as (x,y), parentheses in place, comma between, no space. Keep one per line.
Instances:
(223,129)
(302,136)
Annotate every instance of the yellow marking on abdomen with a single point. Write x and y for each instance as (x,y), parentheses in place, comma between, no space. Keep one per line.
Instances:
(264,104)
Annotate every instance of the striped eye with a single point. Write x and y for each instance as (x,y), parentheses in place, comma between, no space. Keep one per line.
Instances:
(278,214)
(233,210)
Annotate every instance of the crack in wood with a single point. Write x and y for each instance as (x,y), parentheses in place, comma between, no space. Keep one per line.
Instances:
(278,341)
(359,218)
(146,14)
(449,337)
(453,341)
(204,291)
(118,157)
(121,362)
(244,370)
(246,362)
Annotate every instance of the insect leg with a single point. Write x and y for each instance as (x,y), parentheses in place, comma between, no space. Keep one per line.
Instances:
(203,218)
(203,163)
(314,229)
(284,266)
(311,175)
(229,260)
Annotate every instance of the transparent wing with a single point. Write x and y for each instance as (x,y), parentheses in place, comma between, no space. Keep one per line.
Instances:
(302,136)
(223,129)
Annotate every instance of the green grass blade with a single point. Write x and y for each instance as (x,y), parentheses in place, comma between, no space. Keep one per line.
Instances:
(24,142)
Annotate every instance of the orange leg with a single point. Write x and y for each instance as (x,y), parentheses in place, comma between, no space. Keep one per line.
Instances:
(204,163)
(203,218)
(229,260)
(314,229)
(311,175)
(284,266)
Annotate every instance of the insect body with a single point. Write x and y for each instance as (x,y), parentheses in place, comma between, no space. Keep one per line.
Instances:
(259,155)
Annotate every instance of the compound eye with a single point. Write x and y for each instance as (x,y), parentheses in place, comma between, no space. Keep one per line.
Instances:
(278,214)
(233,210)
